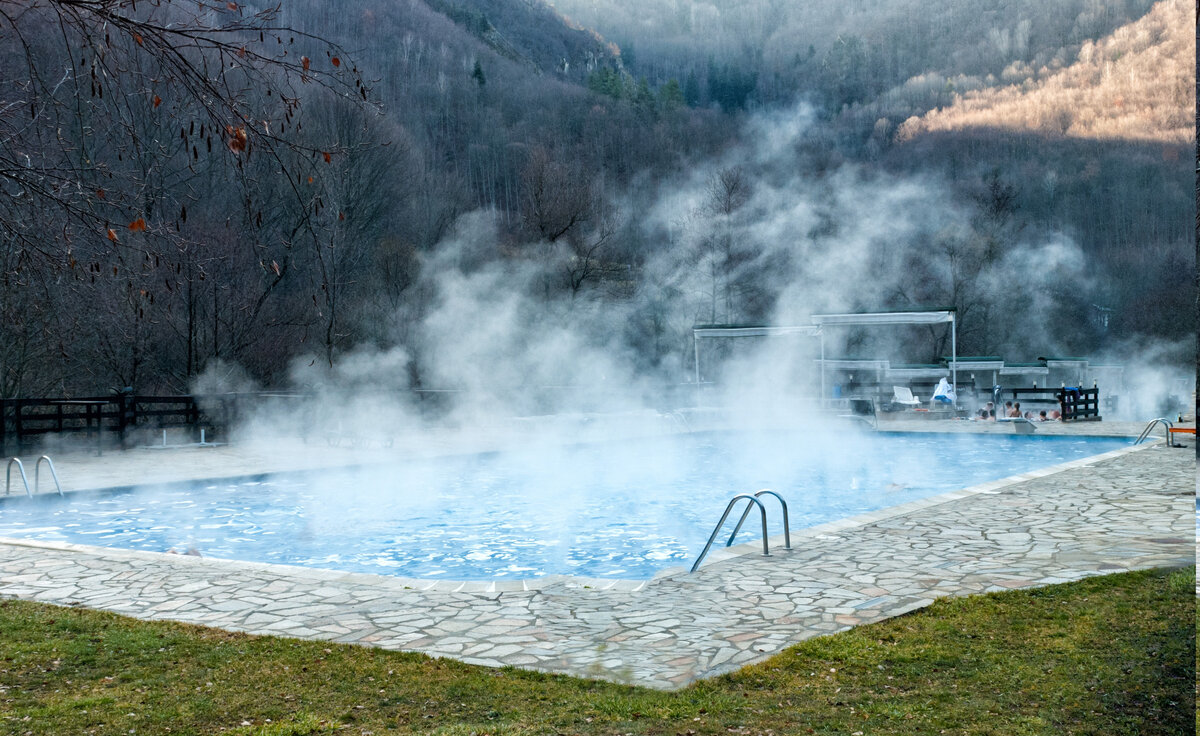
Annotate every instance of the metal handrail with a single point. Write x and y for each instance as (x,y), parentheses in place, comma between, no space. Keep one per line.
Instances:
(1150,427)
(762,509)
(870,419)
(37,471)
(787,532)
(8,476)
(1019,420)
(677,419)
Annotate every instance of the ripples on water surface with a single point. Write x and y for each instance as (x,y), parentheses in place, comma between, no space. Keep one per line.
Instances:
(625,509)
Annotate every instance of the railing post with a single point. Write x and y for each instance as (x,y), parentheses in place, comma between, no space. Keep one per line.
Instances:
(126,415)
(17,428)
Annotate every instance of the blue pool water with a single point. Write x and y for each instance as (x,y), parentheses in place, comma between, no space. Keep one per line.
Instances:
(622,509)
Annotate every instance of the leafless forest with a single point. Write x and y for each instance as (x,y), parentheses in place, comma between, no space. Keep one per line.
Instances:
(189,183)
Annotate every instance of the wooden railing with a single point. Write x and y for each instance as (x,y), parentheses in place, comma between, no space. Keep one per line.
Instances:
(123,419)
(1079,403)
(104,420)
(1073,403)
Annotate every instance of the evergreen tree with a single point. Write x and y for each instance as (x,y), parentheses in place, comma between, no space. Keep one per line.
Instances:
(642,96)
(670,96)
(607,81)
(691,90)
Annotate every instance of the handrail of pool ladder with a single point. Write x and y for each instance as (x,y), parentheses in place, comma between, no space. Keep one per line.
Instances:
(1150,427)
(8,476)
(37,472)
(787,533)
(717,529)
(678,420)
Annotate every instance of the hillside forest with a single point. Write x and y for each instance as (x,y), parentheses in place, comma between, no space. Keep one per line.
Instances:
(500,193)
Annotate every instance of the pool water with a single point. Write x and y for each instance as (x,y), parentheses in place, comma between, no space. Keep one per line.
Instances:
(621,509)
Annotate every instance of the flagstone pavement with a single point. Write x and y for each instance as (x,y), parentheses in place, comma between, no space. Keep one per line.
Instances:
(1130,509)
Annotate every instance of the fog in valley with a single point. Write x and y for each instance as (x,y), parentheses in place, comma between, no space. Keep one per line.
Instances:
(465,212)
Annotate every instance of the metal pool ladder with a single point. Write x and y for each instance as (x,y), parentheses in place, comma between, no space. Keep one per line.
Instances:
(753,501)
(37,471)
(1150,427)
(8,476)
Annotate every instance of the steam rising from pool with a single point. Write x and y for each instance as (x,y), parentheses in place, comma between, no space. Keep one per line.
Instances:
(617,509)
(753,235)
(497,355)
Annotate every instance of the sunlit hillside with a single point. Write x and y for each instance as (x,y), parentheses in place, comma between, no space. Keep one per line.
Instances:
(1135,84)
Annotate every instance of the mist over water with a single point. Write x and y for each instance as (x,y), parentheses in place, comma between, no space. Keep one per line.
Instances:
(623,509)
(757,236)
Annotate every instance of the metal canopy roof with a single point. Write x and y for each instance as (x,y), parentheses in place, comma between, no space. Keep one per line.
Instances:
(885,318)
(975,365)
(753,330)
(854,364)
(933,317)
(1024,370)
(932,371)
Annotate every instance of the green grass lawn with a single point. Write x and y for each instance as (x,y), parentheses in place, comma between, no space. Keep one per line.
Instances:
(1109,655)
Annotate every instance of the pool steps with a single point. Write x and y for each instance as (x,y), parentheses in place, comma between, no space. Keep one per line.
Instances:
(37,472)
(1167,426)
(8,476)
(787,534)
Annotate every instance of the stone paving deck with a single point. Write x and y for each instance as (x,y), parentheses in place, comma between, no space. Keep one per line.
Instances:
(1130,509)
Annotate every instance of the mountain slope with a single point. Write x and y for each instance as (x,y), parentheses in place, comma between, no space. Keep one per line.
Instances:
(530,32)
(846,52)
(1135,84)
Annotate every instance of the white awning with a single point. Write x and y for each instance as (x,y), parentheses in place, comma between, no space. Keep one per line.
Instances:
(893,318)
(853,364)
(762,331)
(1024,370)
(911,373)
(976,365)
(884,318)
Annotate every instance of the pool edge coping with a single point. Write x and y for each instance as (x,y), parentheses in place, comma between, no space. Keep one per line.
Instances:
(725,554)
(716,556)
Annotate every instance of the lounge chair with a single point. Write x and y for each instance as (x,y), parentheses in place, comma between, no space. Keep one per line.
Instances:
(903,395)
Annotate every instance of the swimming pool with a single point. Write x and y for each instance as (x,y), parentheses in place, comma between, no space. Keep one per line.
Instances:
(620,509)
